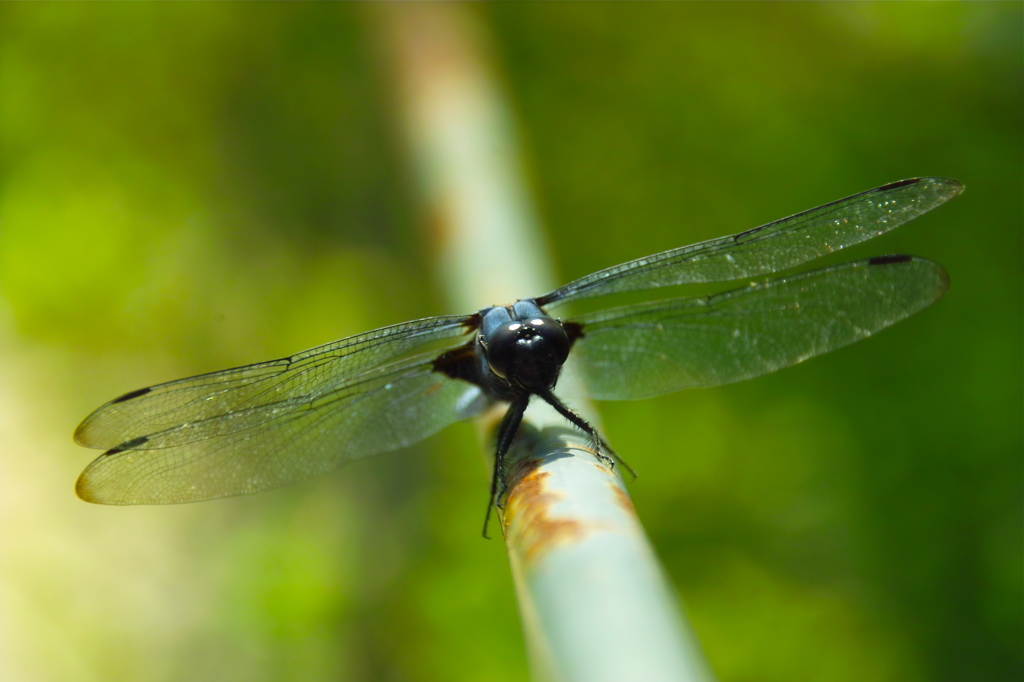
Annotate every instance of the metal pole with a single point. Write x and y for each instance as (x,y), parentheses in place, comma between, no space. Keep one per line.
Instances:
(595,602)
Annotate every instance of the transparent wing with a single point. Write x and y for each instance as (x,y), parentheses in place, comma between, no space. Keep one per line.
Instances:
(776,246)
(238,399)
(264,425)
(384,409)
(647,350)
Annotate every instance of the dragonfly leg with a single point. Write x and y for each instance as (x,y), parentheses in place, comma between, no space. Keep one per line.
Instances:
(618,458)
(596,442)
(509,426)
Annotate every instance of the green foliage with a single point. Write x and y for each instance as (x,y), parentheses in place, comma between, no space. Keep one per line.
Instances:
(189,187)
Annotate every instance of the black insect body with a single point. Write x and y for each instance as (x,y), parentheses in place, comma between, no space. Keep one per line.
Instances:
(518,354)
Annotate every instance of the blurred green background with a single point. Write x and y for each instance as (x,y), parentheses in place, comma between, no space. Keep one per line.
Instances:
(190,187)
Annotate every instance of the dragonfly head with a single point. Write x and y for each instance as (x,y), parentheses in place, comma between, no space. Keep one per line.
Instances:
(529,352)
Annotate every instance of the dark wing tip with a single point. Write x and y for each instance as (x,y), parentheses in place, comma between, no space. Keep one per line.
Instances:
(900,183)
(82,435)
(941,277)
(889,260)
(950,186)
(130,395)
(127,445)
(86,485)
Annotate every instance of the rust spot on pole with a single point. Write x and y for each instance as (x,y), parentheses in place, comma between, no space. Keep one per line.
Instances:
(528,523)
(622,499)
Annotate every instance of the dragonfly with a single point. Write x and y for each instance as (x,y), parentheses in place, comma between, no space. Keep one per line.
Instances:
(265,425)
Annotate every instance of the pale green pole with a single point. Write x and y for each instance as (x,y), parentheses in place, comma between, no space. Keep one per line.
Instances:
(595,603)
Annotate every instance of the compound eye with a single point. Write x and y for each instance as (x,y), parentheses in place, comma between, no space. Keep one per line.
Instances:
(552,344)
(528,353)
(501,348)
